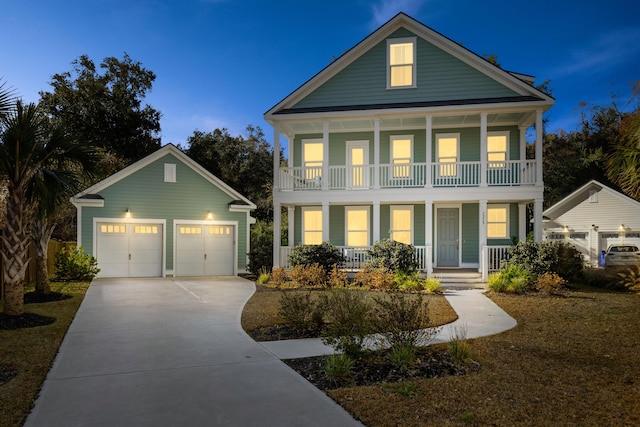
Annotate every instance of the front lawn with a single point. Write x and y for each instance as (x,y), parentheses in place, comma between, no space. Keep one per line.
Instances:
(26,354)
(571,360)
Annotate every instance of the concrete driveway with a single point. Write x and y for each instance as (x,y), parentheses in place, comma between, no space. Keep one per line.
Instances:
(171,352)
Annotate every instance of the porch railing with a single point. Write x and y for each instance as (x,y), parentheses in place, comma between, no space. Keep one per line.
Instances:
(492,257)
(408,175)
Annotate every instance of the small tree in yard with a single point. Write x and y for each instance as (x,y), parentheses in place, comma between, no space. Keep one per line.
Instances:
(325,255)
(393,255)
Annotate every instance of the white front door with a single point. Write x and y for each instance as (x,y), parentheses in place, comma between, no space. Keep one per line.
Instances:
(357,164)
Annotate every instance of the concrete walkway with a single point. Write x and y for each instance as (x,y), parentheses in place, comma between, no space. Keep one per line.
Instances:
(160,352)
(478,316)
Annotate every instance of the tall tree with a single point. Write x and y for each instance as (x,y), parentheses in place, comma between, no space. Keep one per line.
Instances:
(106,108)
(243,162)
(28,149)
(623,160)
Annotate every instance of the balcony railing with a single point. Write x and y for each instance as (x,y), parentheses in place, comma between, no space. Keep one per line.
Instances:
(409,175)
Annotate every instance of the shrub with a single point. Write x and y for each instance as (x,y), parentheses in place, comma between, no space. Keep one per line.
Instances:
(263,277)
(631,279)
(278,277)
(394,256)
(543,257)
(402,318)
(549,283)
(261,253)
(75,266)
(601,278)
(300,311)
(458,346)
(338,367)
(349,320)
(325,254)
(337,278)
(432,285)
(512,278)
(402,356)
(375,278)
(308,275)
(408,281)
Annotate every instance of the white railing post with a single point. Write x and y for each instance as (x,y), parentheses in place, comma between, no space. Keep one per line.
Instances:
(485,264)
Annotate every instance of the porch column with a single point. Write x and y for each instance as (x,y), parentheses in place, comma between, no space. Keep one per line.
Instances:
(522,222)
(539,149)
(277,218)
(291,224)
(276,159)
(429,183)
(376,221)
(376,153)
(482,235)
(325,221)
(537,220)
(428,235)
(483,149)
(325,155)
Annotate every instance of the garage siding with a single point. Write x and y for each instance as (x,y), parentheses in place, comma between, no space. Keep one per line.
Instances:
(146,194)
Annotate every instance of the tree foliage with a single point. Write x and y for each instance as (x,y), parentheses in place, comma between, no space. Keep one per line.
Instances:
(104,106)
(243,162)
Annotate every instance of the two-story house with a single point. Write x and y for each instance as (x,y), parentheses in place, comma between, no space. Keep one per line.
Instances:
(409,136)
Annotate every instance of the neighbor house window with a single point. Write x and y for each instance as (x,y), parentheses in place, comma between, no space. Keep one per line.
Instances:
(497,143)
(402,224)
(357,225)
(497,221)
(169,172)
(401,153)
(401,54)
(311,226)
(312,158)
(447,153)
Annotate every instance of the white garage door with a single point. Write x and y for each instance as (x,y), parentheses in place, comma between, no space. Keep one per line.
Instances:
(618,238)
(129,250)
(205,250)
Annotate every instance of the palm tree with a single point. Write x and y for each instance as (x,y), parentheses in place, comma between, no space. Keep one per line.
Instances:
(623,161)
(29,147)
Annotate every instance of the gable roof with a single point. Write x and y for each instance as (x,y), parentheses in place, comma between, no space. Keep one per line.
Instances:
(575,198)
(90,193)
(519,83)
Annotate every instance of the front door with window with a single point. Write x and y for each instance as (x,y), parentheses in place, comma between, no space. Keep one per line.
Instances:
(448,237)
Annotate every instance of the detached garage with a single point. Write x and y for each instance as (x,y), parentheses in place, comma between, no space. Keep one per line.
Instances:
(165,215)
(592,218)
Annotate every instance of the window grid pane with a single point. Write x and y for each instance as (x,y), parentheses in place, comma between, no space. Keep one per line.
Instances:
(497,222)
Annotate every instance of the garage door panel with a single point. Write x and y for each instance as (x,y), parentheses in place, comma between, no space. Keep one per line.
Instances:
(129,250)
(205,250)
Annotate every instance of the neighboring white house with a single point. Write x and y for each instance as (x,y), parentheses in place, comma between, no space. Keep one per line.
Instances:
(592,218)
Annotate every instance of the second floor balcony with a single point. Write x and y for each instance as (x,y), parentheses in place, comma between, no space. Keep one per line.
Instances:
(409,175)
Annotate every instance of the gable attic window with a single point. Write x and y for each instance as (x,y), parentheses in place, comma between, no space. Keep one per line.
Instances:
(401,63)
(169,172)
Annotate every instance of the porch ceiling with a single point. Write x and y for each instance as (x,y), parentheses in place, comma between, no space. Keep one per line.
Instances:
(349,124)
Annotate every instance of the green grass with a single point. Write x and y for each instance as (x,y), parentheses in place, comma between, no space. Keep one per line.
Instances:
(31,351)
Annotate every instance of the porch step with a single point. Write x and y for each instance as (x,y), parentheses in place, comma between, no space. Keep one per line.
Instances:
(456,278)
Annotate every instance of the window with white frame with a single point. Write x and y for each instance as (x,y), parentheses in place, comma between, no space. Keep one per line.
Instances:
(447,151)
(312,158)
(497,146)
(311,225)
(401,63)
(357,225)
(497,221)
(401,155)
(402,224)
(169,172)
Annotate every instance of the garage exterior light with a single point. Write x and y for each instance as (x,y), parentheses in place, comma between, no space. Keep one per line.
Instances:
(209,215)
(127,213)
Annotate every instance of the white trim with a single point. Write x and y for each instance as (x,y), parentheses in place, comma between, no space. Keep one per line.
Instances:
(439,136)
(505,206)
(392,139)
(575,196)
(507,135)
(393,208)
(366,208)
(414,73)
(177,222)
(365,169)
(438,206)
(303,209)
(170,172)
(97,220)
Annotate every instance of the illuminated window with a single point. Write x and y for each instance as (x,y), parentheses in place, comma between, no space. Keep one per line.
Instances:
(220,230)
(113,229)
(357,227)
(497,221)
(145,229)
(447,154)
(313,158)
(401,151)
(187,230)
(402,224)
(401,55)
(311,226)
(497,143)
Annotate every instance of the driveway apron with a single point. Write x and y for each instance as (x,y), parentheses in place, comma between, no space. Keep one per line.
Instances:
(163,352)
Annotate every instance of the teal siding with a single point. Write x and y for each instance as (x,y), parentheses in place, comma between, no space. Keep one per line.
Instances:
(297,233)
(470,233)
(418,225)
(337,225)
(146,194)
(385,221)
(440,77)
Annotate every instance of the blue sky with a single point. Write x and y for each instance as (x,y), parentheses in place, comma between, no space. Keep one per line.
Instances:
(223,63)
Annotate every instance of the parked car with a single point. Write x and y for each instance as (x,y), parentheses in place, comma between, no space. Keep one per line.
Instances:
(617,255)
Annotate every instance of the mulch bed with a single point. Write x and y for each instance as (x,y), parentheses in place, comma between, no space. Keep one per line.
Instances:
(26,320)
(7,373)
(375,368)
(37,298)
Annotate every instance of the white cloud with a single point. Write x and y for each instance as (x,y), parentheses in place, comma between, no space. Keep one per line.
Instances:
(607,51)
(383,10)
